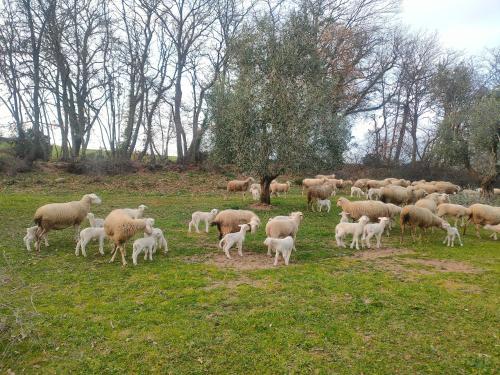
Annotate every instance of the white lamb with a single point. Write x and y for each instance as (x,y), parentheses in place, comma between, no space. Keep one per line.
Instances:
(88,234)
(283,246)
(356,192)
(324,203)
(231,239)
(376,229)
(356,229)
(31,237)
(199,216)
(344,217)
(95,221)
(451,234)
(136,213)
(161,241)
(146,244)
(374,194)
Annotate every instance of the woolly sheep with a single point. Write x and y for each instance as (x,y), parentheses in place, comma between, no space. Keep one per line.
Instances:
(376,230)
(31,237)
(280,188)
(199,216)
(396,194)
(324,203)
(481,214)
(231,239)
(146,244)
(63,215)
(283,246)
(120,227)
(356,229)
(372,209)
(494,228)
(446,187)
(356,192)
(309,182)
(455,211)
(87,235)
(393,212)
(95,221)
(376,184)
(228,221)
(281,227)
(418,217)
(451,234)
(161,241)
(255,190)
(361,183)
(240,185)
(135,213)
(427,203)
(318,192)
(291,216)
(373,194)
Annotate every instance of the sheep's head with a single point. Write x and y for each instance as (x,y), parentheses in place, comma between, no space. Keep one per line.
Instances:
(341,202)
(298,214)
(214,211)
(289,183)
(142,207)
(148,229)
(244,227)
(90,215)
(254,224)
(92,198)
(268,241)
(383,220)
(364,219)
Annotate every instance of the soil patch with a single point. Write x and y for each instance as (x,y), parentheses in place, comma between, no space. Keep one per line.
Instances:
(249,261)
(262,206)
(439,265)
(234,283)
(381,253)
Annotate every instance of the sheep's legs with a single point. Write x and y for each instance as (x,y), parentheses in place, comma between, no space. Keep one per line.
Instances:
(101,245)
(226,251)
(287,256)
(113,253)
(38,236)
(122,251)
(206,226)
(165,245)
(477,231)
(276,258)
(77,232)
(240,249)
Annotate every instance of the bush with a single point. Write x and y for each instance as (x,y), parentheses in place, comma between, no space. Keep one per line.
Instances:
(102,166)
(12,165)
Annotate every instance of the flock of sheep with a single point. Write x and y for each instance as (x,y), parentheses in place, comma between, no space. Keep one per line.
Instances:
(418,204)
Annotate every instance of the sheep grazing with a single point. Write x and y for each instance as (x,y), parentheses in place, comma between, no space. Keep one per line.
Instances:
(373,194)
(356,192)
(372,209)
(283,226)
(120,227)
(255,190)
(307,183)
(228,221)
(419,217)
(283,246)
(455,211)
(56,216)
(318,192)
(231,239)
(240,185)
(31,237)
(446,187)
(161,241)
(280,188)
(417,193)
(146,244)
(430,204)
(356,229)
(199,216)
(396,194)
(344,217)
(135,213)
(494,228)
(326,203)
(361,183)
(376,230)
(377,184)
(451,234)
(87,235)
(482,214)
(95,222)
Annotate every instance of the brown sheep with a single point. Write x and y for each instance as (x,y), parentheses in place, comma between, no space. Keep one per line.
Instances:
(318,192)
(240,185)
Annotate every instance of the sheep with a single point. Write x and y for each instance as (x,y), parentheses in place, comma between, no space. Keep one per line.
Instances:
(309,182)
(446,187)
(451,234)
(361,183)
(330,176)
(356,229)
(120,227)
(281,227)
(372,209)
(430,204)
(63,215)
(344,217)
(240,185)
(393,212)
(161,241)
(376,184)
(280,188)
(31,237)
(453,210)
(427,186)
(356,192)
(88,234)
(146,244)
(318,192)
(283,246)
(396,194)
(376,229)
(198,216)
(324,203)
(439,198)
(255,190)
(135,213)
(494,228)
(481,214)
(94,221)
(417,194)
(291,216)
(228,221)
(373,194)
(418,217)
(231,239)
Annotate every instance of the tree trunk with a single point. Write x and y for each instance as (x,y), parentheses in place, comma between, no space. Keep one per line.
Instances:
(487,186)
(265,189)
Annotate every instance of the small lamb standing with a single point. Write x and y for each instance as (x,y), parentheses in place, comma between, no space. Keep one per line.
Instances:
(161,241)
(344,217)
(356,229)
(95,221)
(87,235)
(376,230)
(324,203)
(356,192)
(146,244)
(231,239)
(283,246)
(135,213)
(494,228)
(31,237)
(452,233)
(199,216)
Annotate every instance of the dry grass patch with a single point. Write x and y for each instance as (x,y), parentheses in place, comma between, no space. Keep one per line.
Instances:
(250,261)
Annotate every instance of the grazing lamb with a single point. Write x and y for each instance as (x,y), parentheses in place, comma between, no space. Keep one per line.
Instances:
(63,215)
(372,209)
(376,229)
(135,213)
(228,221)
(87,235)
(481,214)
(146,244)
(95,221)
(231,239)
(419,217)
(451,234)
(31,237)
(240,185)
(356,229)
(374,194)
(356,192)
(199,216)
(276,188)
(283,246)
(318,192)
(494,228)
(344,217)
(324,203)
(161,241)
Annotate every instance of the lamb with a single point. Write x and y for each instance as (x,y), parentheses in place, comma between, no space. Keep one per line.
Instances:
(135,213)
(494,228)
(94,221)
(372,209)
(281,227)
(324,203)
(280,188)
(356,229)
(199,216)
(453,210)
(356,192)
(63,215)
(146,244)
(451,234)
(120,227)
(88,234)
(231,239)
(255,190)
(344,217)
(318,192)
(373,194)
(161,241)
(31,237)
(240,185)
(481,214)
(419,217)
(309,182)
(228,221)
(376,229)
(396,194)
(291,216)
(283,246)
(393,212)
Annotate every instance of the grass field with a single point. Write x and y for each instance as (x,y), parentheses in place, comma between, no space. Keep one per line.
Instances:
(416,308)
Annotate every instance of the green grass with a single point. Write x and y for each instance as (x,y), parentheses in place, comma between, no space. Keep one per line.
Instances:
(325,313)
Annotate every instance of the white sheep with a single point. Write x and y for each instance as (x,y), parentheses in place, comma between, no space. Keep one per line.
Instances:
(356,229)
(283,246)
(376,229)
(231,239)
(161,241)
(199,216)
(324,203)
(146,244)
(344,217)
(255,190)
(284,226)
(356,192)
(374,193)
(451,234)
(494,228)
(95,221)
(88,234)
(31,237)
(135,213)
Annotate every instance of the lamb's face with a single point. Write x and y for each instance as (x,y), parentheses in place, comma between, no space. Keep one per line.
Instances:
(267,241)
(363,219)
(214,212)
(94,199)
(142,207)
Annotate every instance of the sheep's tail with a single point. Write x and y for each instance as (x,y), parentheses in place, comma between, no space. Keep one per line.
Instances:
(405,218)
(220,243)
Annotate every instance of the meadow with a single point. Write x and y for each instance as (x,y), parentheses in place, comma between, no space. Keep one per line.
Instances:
(415,307)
